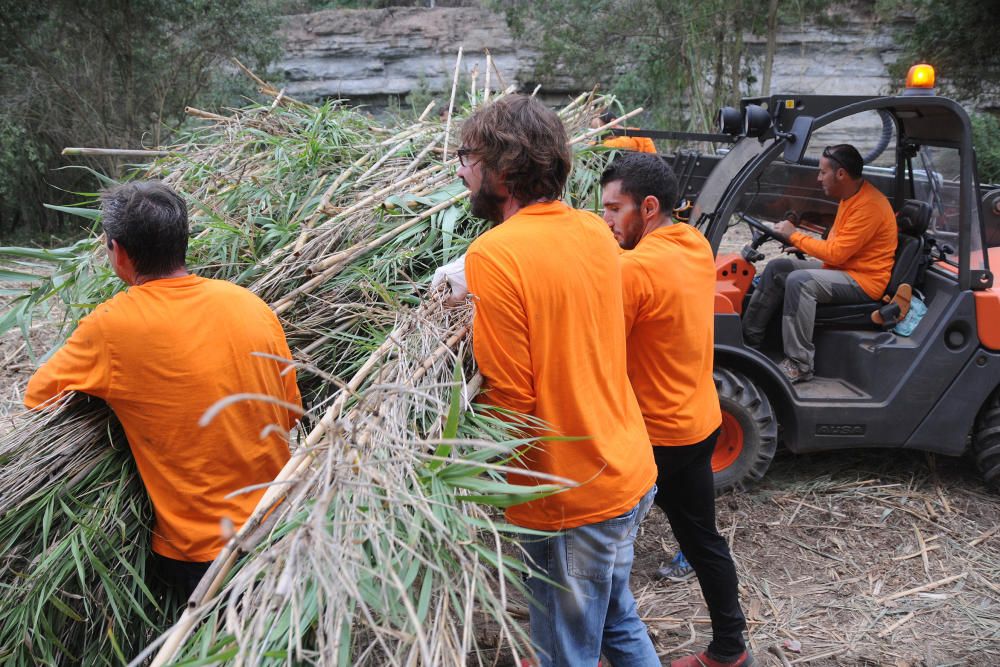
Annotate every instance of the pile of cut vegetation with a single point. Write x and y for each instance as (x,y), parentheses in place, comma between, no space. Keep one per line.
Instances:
(380,542)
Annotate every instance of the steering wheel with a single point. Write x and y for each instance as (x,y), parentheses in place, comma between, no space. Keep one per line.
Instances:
(762,233)
(759,228)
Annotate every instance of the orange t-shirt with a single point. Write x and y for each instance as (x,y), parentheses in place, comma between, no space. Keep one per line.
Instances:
(161,354)
(548,339)
(862,241)
(668,284)
(638,144)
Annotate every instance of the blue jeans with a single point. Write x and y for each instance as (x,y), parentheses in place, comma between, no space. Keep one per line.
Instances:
(587,607)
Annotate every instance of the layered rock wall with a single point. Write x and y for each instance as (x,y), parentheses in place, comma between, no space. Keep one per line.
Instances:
(373,55)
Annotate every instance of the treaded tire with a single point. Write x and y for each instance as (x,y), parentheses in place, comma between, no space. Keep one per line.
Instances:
(749,435)
(986,441)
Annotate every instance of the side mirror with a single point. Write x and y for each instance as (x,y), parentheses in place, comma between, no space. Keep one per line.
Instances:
(796,140)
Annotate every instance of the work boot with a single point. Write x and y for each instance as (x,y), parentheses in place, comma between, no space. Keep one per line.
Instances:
(794,372)
(702,659)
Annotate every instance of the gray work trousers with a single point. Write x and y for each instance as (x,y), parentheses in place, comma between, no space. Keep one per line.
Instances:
(800,284)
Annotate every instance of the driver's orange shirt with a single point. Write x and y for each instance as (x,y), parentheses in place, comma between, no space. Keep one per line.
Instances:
(862,241)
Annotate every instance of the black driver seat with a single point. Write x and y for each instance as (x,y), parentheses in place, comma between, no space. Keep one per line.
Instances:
(912,220)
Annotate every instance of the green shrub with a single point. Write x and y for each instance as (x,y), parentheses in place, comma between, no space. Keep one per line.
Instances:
(986,139)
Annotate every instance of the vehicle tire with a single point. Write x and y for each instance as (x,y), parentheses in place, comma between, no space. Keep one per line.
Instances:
(986,441)
(749,434)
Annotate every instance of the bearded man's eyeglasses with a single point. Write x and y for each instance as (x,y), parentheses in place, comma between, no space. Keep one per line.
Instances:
(463,156)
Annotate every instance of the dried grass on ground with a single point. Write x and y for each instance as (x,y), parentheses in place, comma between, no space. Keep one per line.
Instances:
(864,558)
(15,365)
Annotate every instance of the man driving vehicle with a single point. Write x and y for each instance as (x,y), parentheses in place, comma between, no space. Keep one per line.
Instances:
(856,262)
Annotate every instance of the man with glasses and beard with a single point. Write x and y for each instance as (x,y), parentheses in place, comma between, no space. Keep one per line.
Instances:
(549,341)
(857,258)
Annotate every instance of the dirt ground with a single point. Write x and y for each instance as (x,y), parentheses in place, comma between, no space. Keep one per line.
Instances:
(863,558)
(16,365)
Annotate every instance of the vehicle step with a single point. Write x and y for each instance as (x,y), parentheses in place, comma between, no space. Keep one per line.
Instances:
(827,388)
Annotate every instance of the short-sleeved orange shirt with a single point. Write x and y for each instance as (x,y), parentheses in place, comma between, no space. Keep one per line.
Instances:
(161,354)
(548,338)
(669,296)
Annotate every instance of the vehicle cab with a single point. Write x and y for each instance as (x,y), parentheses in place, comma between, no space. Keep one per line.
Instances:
(874,387)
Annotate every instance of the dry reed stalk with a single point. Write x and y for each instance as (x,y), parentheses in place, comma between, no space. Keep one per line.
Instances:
(114,152)
(300,241)
(406,141)
(589,134)
(325,209)
(422,155)
(921,589)
(335,263)
(275,493)
(500,79)
(486,77)
(267,89)
(451,104)
(207,115)
(576,102)
(426,111)
(280,488)
(473,92)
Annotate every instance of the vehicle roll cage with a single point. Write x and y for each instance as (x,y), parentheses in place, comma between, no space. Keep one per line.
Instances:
(919,121)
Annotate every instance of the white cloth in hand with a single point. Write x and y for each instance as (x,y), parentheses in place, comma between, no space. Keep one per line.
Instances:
(454,273)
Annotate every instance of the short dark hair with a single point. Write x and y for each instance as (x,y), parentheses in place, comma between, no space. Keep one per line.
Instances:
(524,142)
(846,156)
(150,222)
(643,175)
(607,117)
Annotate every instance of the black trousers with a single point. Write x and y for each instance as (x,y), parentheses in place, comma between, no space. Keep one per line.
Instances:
(687,496)
(176,577)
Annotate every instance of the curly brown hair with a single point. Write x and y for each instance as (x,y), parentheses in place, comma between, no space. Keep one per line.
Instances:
(524,143)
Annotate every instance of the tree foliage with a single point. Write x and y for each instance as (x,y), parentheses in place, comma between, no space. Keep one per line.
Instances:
(108,73)
(959,39)
(986,138)
(682,58)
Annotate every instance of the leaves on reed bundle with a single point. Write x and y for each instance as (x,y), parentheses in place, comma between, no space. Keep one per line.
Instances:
(74,533)
(387,545)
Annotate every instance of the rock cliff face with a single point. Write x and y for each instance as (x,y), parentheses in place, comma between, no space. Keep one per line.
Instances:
(370,56)
(849,59)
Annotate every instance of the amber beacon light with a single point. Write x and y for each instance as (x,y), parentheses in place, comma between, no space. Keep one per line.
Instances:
(920,76)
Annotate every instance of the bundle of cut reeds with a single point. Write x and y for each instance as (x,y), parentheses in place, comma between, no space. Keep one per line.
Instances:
(380,542)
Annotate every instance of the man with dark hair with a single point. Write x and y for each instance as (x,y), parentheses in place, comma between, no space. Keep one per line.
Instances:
(161,353)
(668,282)
(857,258)
(548,339)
